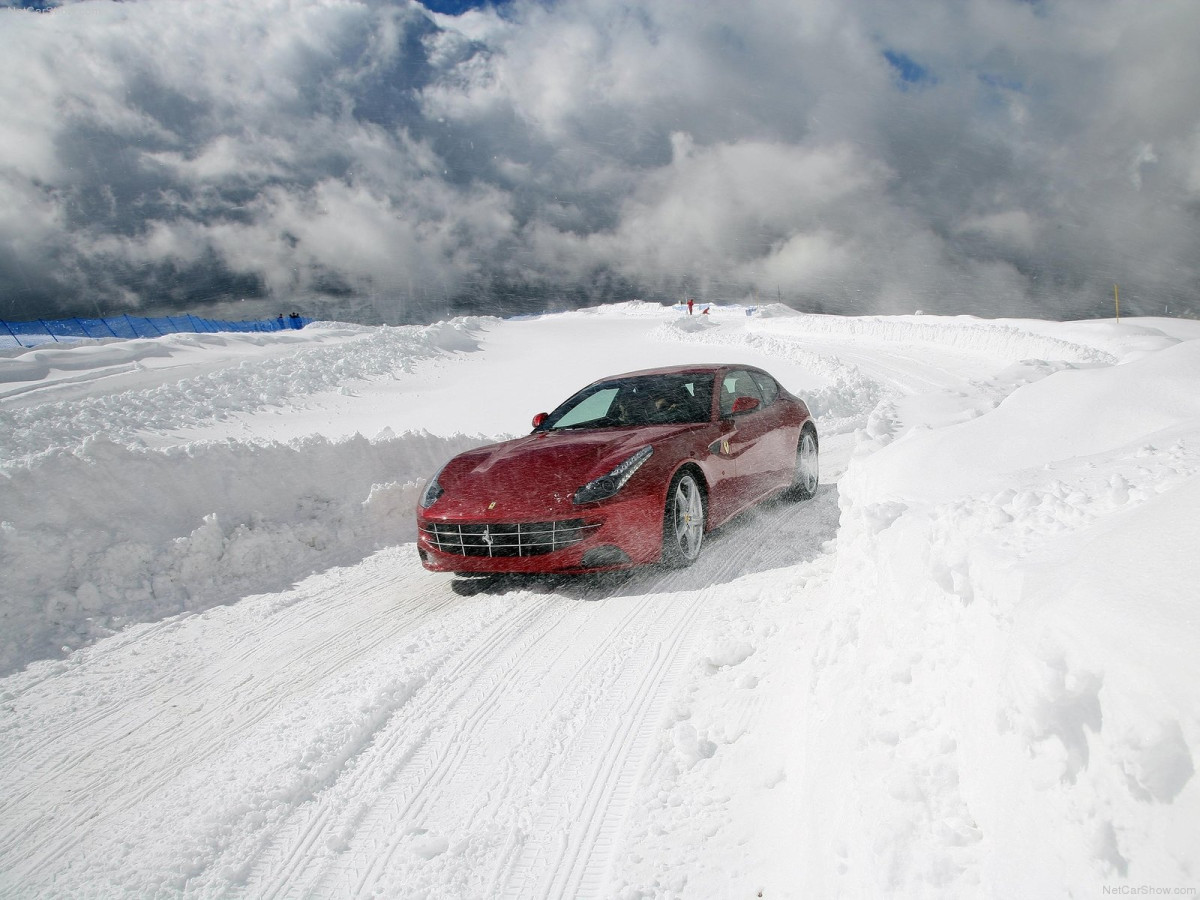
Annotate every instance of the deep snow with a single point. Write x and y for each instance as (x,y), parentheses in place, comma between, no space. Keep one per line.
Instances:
(967,668)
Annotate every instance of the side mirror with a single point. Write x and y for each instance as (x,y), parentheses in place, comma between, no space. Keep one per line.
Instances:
(744,405)
(539,419)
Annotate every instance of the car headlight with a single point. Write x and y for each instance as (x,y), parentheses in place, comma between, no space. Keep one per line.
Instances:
(432,491)
(607,485)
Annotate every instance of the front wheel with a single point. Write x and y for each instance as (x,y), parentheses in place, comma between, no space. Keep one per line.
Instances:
(683,521)
(804,482)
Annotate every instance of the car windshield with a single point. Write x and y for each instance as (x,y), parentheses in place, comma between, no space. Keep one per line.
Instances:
(643,400)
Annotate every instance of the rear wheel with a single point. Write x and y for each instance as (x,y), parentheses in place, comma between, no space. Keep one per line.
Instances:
(683,521)
(804,482)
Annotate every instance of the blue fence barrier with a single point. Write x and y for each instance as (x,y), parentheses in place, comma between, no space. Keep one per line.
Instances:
(55,331)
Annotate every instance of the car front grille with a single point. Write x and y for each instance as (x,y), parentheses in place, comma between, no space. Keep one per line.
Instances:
(493,539)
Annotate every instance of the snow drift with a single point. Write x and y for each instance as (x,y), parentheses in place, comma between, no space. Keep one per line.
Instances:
(99,530)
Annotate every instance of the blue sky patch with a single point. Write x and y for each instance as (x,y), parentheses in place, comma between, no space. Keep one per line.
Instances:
(458,7)
(910,71)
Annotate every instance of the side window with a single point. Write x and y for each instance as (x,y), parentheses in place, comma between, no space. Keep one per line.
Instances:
(737,384)
(701,389)
(768,386)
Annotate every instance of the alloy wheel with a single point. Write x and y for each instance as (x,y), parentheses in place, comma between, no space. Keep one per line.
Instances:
(687,518)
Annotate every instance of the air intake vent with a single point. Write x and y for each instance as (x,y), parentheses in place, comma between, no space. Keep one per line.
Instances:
(493,539)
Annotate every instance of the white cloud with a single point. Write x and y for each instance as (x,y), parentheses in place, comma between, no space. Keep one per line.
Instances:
(738,202)
(1022,155)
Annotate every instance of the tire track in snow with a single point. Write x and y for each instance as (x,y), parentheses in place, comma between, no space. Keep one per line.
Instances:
(561,649)
(477,710)
(595,785)
(84,753)
(567,671)
(403,756)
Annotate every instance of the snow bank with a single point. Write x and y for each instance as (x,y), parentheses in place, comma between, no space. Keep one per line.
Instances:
(286,369)
(103,535)
(1003,696)
(98,530)
(1107,413)
(1000,340)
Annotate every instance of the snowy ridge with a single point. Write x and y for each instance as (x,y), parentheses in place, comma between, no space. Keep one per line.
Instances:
(104,535)
(995,339)
(353,353)
(98,530)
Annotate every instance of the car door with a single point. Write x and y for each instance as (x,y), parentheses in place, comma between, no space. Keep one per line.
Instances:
(747,436)
(781,435)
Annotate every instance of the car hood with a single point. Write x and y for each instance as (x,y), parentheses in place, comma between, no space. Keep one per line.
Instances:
(538,474)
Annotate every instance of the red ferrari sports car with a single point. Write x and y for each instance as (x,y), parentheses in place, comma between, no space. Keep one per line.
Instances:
(631,470)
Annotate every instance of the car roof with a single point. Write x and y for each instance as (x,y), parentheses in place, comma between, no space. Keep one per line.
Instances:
(678,370)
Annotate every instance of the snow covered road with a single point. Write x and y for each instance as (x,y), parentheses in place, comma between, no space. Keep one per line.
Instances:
(882,691)
(371,732)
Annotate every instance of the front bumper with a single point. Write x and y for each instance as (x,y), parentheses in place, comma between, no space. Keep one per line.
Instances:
(605,537)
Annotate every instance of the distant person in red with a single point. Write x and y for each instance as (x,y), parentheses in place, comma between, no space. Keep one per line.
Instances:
(691,303)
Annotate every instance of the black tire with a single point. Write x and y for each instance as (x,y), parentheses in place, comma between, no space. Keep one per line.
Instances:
(808,469)
(684,519)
